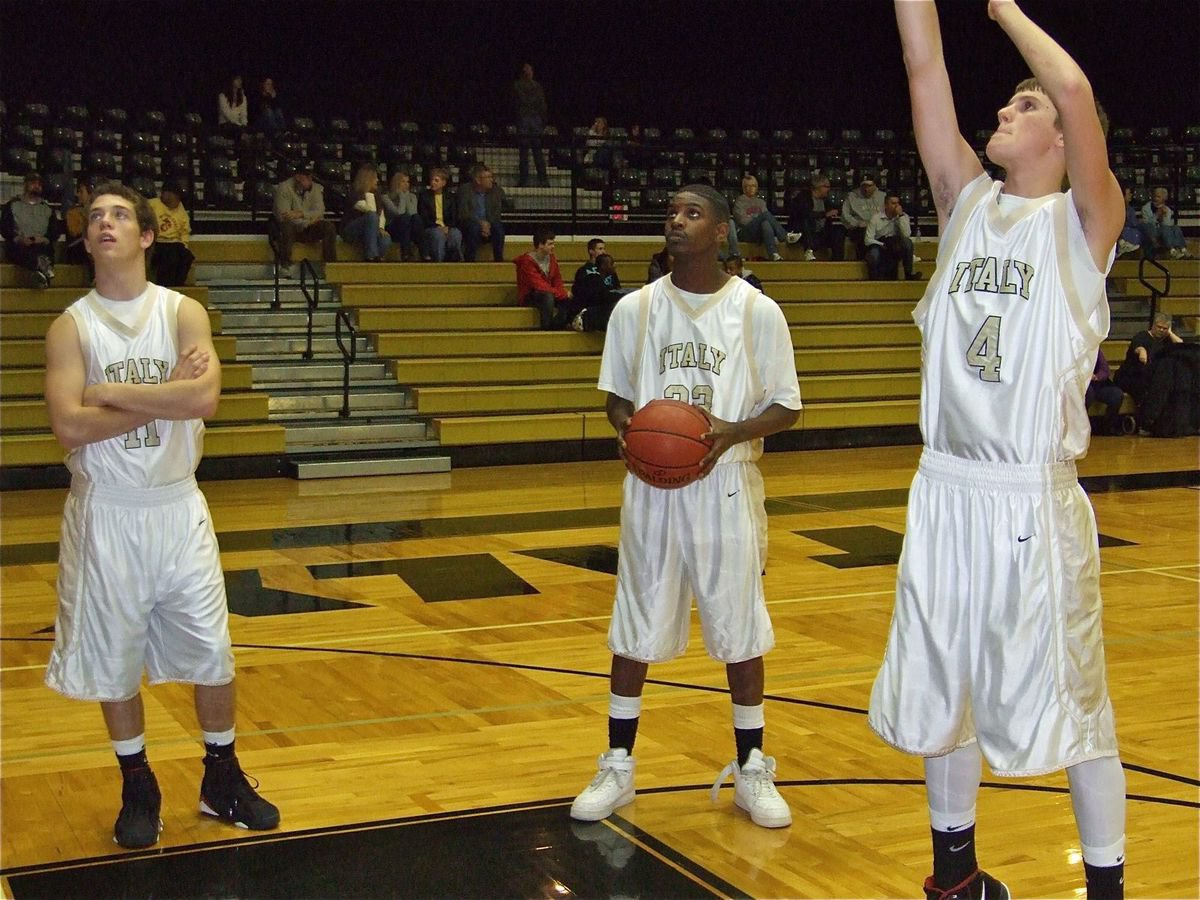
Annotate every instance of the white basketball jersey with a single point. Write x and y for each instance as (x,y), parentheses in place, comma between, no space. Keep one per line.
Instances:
(163,451)
(731,353)
(1010,325)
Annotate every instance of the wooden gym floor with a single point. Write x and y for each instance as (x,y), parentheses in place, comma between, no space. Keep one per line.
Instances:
(422,679)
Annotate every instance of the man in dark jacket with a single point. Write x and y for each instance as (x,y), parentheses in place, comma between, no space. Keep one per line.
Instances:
(30,227)
(816,221)
(480,207)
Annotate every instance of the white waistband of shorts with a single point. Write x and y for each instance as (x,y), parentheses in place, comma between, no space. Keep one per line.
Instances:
(997,476)
(123,495)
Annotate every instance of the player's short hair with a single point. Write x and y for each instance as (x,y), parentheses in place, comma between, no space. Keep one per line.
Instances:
(1162,318)
(1032,84)
(720,206)
(541,234)
(146,219)
(438,170)
(594,243)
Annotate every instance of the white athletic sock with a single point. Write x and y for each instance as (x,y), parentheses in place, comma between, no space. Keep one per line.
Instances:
(749,716)
(1098,798)
(219,738)
(130,746)
(952,787)
(624,707)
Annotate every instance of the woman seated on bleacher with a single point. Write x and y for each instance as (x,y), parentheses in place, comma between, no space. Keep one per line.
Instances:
(363,223)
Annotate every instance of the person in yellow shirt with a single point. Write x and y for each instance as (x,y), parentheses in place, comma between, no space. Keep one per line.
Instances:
(172,258)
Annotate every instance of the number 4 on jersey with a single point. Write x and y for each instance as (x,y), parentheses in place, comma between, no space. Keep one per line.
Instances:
(984,352)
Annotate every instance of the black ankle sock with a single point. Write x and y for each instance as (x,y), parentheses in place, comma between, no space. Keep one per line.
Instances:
(1105,882)
(219,751)
(953,855)
(622,733)
(133,761)
(747,739)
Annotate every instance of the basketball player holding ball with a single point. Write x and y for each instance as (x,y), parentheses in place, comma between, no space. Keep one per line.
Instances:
(701,337)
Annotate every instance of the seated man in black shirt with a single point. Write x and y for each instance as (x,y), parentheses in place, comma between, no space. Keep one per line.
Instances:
(594,294)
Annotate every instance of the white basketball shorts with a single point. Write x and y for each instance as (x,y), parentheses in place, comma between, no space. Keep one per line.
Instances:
(139,587)
(996,633)
(707,540)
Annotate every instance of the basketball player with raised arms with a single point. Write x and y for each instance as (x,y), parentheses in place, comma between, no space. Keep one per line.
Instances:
(995,647)
(701,337)
(130,374)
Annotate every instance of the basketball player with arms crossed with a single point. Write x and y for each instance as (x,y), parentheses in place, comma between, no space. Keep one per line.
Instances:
(701,337)
(995,647)
(130,374)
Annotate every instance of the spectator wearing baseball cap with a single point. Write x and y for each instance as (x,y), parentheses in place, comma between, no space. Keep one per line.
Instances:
(860,206)
(300,216)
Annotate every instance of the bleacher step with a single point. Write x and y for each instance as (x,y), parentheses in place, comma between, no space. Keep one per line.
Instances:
(362,404)
(300,373)
(357,468)
(293,345)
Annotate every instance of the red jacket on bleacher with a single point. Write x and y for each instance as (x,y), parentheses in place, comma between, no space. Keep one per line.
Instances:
(530,277)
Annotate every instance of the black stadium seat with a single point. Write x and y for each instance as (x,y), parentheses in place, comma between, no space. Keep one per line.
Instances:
(115,118)
(101,163)
(140,164)
(104,139)
(177,164)
(60,136)
(36,115)
(76,117)
(19,160)
(220,193)
(153,121)
(143,184)
(21,135)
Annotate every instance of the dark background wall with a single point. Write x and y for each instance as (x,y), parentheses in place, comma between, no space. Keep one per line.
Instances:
(752,63)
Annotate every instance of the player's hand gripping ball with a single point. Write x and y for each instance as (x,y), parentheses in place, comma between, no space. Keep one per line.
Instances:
(663,443)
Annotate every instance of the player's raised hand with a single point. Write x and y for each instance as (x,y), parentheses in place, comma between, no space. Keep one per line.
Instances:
(192,363)
(996,7)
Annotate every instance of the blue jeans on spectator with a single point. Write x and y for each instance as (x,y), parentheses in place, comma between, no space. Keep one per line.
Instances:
(366,233)
(405,231)
(472,238)
(1154,235)
(529,137)
(766,228)
(734,250)
(882,258)
(439,245)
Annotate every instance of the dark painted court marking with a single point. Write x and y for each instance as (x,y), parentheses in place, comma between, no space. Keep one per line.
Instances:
(246,596)
(537,852)
(438,578)
(552,520)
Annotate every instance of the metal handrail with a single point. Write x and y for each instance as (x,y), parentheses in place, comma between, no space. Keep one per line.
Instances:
(348,356)
(308,271)
(1155,293)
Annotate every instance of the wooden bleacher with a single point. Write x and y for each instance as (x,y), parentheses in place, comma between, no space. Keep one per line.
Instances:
(480,370)
(239,428)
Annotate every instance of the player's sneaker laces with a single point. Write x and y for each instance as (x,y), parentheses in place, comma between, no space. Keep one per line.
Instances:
(138,824)
(754,790)
(979,886)
(611,788)
(226,793)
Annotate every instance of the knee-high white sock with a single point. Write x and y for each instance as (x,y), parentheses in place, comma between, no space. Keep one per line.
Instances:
(952,785)
(1098,798)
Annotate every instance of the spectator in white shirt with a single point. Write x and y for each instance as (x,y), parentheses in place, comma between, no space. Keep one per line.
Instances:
(232,111)
(888,241)
(858,208)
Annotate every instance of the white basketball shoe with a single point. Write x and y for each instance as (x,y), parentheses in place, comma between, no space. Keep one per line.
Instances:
(754,790)
(611,788)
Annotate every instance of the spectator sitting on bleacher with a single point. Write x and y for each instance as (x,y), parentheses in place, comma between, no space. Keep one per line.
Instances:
(363,222)
(1101,389)
(1134,374)
(539,281)
(595,292)
(172,258)
(736,267)
(599,148)
(860,204)
(1159,230)
(269,119)
(1131,236)
(300,214)
(232,110)
(400,207)
(660,265)
(817,220)
(75,220)
(754,221)
(889,242)
(441,237)
(30,227)
(480,211)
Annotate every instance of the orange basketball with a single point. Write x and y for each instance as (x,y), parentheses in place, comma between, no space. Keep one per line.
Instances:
(663,444)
